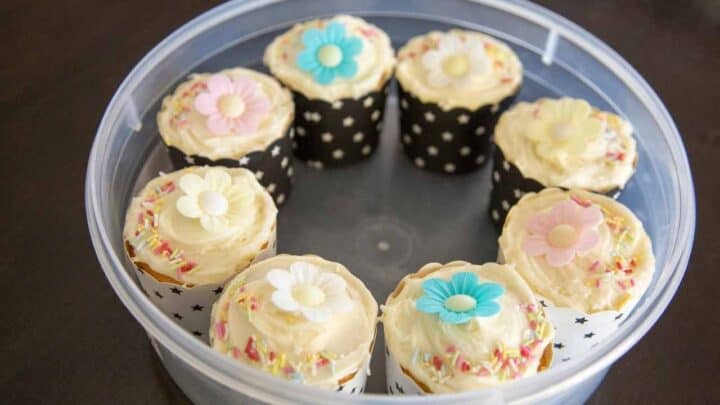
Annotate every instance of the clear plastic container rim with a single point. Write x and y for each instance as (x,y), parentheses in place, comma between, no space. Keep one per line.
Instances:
(257,384)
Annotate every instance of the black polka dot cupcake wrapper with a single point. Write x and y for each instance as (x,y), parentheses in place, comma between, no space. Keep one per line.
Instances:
(509,185)
(453,141)
(273,167)
(340,132)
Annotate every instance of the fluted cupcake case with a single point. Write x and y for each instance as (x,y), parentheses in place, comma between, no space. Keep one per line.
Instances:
(329,313)
(565,143)
(187,232)
(341,132)
(233,118)
(338,70)
(453,86)
(626,275)
(273,166)
(447,141)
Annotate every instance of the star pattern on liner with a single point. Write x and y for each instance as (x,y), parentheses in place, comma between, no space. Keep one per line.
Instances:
(542,302)
(480,130)
(275,151)
(375,115)
(177,316)
(197,307)
(176,290)
(244,160)
(558,345)
(189,159)
(336,105)
(284,162)
(390,390)
(581,320)
(368,102)
(326,137)
(565,359)
(157,294)
(259,174)
(348,121)
(618,316)
(218,290)
(589,335)
(271,188)
(358,137)
(429,116)
(447,136)
(463,118)
(197,333)
(399,388)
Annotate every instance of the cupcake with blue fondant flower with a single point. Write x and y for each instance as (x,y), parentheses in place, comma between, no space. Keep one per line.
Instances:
(459,326)
(338,70)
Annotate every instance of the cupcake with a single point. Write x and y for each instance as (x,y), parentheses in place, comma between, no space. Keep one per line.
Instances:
(234,118)
(453,86)
(586,255)
(189,231)
(563,143)
(301,318)
(459,327)
(338,70)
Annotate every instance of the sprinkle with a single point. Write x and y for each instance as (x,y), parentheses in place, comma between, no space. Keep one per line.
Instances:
(250,349)
(594,265)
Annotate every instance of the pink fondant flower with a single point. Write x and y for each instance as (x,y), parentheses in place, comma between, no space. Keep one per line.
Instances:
(233,106)
(563,232)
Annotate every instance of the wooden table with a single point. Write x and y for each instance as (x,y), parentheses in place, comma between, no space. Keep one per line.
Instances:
(66,338)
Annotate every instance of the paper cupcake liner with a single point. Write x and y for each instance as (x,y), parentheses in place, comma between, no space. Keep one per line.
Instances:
(190,307)
(340,132)
(397,382)
(576,332)
(509,185)
(273,166)
(356,385)
(452,141)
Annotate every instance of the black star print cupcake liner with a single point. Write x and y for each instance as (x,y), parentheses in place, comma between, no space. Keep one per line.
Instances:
(397,382)
(188,306)
(453,141)
(509,185)
(273,167)
(340,132)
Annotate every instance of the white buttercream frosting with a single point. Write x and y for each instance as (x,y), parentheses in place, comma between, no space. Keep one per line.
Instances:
(458,68)
(252,325)
(182,126)
(375,61)
(568,143)
(180,247)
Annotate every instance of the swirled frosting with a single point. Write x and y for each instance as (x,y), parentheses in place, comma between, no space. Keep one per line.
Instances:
(475,69)
(568,143)
(181,124)
(612,269)
(375,61)
(485,351)
(180,247)
(248,325)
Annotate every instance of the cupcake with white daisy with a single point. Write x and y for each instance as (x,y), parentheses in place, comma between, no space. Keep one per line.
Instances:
(300,318)
(234,118)
(338,70)
(459,327)
(189,231)
(453,86)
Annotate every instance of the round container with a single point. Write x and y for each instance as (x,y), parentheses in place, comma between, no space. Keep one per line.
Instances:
(388,231)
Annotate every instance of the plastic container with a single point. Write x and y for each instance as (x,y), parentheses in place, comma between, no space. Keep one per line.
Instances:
(384,218)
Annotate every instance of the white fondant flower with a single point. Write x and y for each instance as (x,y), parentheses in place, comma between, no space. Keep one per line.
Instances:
(307,290)
(455,62)
(566,130)
(214,199)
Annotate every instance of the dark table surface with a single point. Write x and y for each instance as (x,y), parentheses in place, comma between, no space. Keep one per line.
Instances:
(66,338)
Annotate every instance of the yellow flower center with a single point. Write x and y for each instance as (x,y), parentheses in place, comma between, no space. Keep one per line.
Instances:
(308,295)
(212,202)
(231,105)
(460,303)
(563,236)
(456,65)
(563,130)
(330,55)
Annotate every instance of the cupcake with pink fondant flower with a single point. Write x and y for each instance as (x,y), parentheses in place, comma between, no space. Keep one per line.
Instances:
(586,255)
(235,118)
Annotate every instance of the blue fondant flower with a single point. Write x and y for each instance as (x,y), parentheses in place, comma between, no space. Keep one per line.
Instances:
(460,299)
(329,53)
